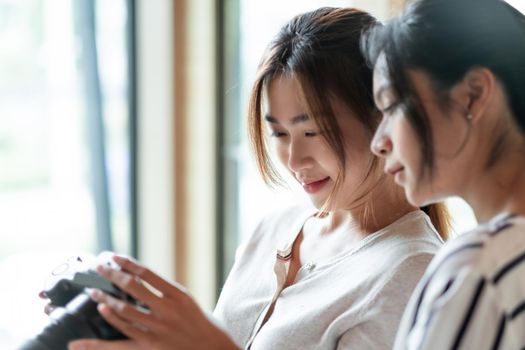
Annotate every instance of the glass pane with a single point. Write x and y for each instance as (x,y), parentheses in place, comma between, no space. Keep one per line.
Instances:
(111,22)
(46,197)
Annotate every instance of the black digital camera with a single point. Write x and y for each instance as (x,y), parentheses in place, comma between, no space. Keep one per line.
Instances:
(76,315)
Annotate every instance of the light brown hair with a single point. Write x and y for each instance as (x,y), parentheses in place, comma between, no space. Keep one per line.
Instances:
(321,51)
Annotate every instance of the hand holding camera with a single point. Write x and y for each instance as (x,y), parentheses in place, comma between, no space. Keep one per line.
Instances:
(172,319)
(73,314)
(137,309)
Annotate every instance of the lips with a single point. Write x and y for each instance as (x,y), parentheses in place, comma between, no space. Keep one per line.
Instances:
(394,169)
(314,186)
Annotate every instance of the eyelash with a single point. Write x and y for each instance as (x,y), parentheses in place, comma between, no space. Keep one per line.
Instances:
(279,134)
(391,108)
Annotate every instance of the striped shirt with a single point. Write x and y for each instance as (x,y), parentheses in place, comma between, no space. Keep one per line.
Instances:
(472,296)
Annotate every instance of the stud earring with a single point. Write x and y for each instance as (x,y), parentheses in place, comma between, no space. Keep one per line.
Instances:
(469,116)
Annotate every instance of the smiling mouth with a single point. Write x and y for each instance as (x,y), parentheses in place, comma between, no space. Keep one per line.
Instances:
(394,170)
(315,186)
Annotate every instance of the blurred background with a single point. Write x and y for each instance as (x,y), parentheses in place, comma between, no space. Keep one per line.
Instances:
(122,128)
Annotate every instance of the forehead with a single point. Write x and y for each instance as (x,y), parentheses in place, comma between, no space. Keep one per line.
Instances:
(284,97)
(283,86)
(381,76)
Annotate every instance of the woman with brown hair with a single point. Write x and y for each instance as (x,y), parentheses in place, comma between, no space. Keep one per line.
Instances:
(333,275)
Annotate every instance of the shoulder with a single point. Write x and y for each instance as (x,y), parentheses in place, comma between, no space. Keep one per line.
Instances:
(410,236)
(492,256)
(487,251)
(402,276)
(474,281)
(387,301)
(416,226)
(403,252)
(400,252)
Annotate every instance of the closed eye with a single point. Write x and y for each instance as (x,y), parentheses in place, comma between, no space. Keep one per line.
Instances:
(311,134)
(391,108)
(276,133)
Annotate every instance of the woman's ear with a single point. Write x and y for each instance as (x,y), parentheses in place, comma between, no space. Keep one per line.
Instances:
(480,86)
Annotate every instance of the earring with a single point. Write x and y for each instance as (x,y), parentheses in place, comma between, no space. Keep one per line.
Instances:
(469,116)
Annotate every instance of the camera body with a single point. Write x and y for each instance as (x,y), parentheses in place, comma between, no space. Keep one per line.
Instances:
(77,274)
(76,315)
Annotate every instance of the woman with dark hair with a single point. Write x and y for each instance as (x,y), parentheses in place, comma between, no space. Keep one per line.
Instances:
(334,275)
(449,77)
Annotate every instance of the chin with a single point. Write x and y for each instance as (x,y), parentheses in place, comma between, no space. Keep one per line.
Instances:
(421,199)
(416,198)
(318,203)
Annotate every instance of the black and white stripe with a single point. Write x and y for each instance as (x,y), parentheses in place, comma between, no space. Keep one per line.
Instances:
(473,295)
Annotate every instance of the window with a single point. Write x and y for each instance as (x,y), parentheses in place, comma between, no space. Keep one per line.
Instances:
(64,145)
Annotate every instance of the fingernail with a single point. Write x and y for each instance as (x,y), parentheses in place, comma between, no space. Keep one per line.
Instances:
(103,309)
(49,309)
(95,294)
(76,346)
(118,259)
(101,269)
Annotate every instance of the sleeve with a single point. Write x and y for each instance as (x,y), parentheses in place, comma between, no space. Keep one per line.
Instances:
(380,318)
(459,311)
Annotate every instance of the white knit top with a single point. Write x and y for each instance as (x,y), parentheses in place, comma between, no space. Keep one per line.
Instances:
(352,301)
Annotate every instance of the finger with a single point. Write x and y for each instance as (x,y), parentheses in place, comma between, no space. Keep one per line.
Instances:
(133,331)
(128,283)
(42,294)
(166,288)
(91,344)
(127,311)
(49,308)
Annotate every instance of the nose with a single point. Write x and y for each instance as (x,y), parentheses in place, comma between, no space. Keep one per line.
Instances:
(299,157)
(381,144)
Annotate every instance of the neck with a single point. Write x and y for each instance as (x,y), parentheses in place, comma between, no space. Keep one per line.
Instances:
(383,205)
(500,189)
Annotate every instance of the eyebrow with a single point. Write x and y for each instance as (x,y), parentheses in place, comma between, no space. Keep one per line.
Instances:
(301,118)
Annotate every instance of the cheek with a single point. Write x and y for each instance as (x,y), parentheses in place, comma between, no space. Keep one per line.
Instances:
(281,151)
(325,156)
(419,188)
(358,154)
(405,143)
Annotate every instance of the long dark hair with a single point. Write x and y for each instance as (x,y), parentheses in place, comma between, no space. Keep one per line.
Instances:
(445,39)
(321,51)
